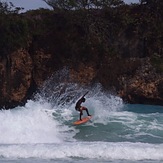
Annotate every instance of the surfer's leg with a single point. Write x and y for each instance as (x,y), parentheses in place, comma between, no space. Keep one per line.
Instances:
(84,108)
(87,112)
(81,113)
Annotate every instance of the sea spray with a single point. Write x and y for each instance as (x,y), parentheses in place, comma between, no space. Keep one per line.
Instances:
(60,91)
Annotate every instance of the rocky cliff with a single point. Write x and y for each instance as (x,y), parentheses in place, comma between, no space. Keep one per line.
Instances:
(119,48)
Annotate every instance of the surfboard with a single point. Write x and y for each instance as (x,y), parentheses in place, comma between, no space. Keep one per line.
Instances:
(84,120)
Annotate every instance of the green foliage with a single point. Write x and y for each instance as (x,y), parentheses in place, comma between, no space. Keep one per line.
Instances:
(14,33)
(82,33)
(13,28)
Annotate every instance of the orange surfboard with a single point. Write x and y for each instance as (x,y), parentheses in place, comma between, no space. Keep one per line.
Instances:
(84,120)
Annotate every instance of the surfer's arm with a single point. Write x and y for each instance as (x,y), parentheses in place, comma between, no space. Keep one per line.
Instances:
(78,103)
(84,94)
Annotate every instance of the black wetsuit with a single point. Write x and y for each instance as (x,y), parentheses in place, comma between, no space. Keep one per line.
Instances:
(78,105)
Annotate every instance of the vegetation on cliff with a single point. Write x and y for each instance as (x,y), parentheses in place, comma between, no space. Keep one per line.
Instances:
(83,4)
(121,47)
(14,29)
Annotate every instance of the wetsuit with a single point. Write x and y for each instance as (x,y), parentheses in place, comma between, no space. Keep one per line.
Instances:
(80,108)
(78,105)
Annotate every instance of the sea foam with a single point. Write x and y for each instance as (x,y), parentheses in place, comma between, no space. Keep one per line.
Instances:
(89,150)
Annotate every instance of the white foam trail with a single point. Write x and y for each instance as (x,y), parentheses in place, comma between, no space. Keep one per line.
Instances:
(91,150)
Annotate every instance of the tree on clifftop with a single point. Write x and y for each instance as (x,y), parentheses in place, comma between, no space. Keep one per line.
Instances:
(82,4)
(61,4)
(9,8)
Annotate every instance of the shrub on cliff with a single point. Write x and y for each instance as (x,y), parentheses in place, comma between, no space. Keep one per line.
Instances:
(13,28)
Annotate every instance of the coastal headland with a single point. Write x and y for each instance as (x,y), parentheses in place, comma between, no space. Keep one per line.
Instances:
(121,48)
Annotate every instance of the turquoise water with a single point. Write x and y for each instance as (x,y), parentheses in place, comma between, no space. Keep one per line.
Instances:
(42,130)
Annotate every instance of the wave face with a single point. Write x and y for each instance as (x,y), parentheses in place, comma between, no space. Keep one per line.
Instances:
(43,130)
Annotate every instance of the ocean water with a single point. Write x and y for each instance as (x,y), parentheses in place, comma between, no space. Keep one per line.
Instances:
(42,131)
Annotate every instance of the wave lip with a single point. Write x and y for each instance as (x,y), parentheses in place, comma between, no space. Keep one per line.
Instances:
(91,150)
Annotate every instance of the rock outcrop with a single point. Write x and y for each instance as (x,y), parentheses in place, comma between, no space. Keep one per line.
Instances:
(16,78)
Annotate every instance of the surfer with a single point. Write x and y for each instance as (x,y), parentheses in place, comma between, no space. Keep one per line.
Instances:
(80,108)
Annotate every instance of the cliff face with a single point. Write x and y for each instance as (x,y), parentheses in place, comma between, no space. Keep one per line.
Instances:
(16,77)
(98,46)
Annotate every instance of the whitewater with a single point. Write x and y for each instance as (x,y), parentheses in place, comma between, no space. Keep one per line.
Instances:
(42,130)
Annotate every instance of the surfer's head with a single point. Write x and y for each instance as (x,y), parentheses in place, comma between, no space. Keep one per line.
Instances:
(83,99)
